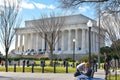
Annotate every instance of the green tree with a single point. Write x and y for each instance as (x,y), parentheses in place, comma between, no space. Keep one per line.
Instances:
(105,49)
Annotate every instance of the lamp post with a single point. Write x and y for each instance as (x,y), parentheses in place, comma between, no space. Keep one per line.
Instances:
(73,52)
(96,1)
(89,24)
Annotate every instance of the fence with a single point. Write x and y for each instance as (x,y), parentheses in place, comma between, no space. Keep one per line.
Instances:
(32,65)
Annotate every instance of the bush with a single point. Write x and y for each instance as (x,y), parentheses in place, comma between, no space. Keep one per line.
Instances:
(20,58)
(44,58)
(68,59)
(60,59)
(86,58)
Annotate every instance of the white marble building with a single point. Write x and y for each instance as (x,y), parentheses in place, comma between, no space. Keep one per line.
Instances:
(75,28)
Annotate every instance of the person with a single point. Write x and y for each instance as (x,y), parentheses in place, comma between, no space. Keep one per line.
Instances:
(27,63)
(80,69)
(87,73)
(106,63)
(113,64)
(19,63)
(64,63)
(23,62)
(95,64)
(10,62)
(88,70)
(107,59)
(2,62)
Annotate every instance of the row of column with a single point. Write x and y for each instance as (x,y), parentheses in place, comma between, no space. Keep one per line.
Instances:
(65,43)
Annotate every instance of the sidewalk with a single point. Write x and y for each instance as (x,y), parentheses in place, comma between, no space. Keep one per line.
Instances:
(45,76)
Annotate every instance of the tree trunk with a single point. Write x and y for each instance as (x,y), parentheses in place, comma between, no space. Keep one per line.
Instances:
(6,59)
(51,56)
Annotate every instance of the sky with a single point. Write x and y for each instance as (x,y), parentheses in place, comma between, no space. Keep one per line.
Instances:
(31,9)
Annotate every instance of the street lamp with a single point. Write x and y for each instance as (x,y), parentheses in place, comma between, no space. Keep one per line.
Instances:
(89,24)
(73,52)
(96,1)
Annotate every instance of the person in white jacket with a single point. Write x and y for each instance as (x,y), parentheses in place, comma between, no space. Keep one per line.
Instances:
(85,71)
(80,69)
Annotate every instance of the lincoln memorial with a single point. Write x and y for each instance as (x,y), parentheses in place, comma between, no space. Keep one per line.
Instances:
(75,28)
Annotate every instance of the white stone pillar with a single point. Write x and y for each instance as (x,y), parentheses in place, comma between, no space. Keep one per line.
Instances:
(62,41)
(31,41)
(16,42)
(83,39)
(76,39)
(34,41)
(21,42)
(25,41)
(93,42)
(87,40)
(97,42)
(69,41)
(37,41)
(43,43)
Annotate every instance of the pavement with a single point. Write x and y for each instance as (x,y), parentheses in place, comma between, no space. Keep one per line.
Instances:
(46,76)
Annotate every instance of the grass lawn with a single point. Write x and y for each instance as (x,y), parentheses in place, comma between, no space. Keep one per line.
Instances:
(47,69)
(113,77)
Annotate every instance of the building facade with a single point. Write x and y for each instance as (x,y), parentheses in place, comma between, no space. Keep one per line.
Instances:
(75,28)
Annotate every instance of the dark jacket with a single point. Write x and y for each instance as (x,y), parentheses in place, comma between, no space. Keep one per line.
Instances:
(89,72)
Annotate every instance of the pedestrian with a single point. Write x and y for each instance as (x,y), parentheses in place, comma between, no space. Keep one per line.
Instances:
(107,63)
(107,59)
(95,64)
(27,63)
(113,64)
(10,62)
(19,63)
(2,62)
(64,62)
(23,62)
(87,72)
(80,69)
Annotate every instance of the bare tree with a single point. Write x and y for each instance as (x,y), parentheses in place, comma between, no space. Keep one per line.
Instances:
(8,22)
(49,27)
(76,3)
(111,23)
(108,5)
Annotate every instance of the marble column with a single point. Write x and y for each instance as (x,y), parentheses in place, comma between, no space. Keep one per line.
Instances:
(93,42)
(76,39)
(69,41)
(16,42)
(83,39)
(21,42)
(62,41)
(31,44)
(43,43)
(29,41)
(34,40)
(97,42)
(87,40)
(25,41)
(37,41)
